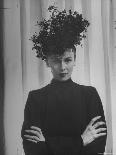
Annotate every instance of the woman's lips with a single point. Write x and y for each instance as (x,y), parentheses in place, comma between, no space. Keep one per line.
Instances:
(63,74)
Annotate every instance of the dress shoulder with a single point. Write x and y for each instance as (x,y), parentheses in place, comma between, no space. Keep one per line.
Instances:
(37,95)
(40,90)
(88,89)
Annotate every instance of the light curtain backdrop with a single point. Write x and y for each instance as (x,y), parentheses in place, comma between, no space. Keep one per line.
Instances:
(96,61)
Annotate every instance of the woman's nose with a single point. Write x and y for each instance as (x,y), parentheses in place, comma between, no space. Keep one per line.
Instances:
(62,65)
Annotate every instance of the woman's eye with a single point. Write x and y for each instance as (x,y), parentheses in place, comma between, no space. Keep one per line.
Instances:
(68,60)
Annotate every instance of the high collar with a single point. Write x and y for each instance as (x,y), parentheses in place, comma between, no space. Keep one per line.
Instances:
(57,82)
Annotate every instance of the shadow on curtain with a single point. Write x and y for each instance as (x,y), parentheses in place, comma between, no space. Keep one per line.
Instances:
(1,82)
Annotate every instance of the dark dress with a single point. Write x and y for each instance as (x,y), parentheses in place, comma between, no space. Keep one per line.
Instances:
(62,110)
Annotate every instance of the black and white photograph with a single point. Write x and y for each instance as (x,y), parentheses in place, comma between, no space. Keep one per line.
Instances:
(57,77)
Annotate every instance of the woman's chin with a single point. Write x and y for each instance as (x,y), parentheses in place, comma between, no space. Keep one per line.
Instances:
(63,78)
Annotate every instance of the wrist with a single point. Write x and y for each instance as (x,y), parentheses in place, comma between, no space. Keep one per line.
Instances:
(82,139)
(84,143)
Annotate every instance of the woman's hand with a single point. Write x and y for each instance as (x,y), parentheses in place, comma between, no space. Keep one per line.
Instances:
(34,135)
(93,131)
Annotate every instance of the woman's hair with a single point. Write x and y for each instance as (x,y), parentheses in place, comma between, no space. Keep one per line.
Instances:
(63,30)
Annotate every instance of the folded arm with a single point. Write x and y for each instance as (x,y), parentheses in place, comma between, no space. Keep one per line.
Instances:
(36,143)
(94,136)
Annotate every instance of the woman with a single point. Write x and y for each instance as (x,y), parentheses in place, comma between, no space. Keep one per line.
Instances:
(63,118)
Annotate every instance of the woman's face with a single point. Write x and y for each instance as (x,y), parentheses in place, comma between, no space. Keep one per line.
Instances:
(62,66)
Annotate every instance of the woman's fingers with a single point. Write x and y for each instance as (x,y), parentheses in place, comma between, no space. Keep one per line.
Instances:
(34,132)
(35,138)
(36,128)
(32,140)
(101,134)
(100,130)
(94,119)
(98,124)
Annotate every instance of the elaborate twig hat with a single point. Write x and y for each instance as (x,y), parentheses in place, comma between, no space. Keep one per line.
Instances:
(61,31)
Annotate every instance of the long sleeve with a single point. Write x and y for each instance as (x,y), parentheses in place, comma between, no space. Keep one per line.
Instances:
(95,108)
(61,145)
(31,148)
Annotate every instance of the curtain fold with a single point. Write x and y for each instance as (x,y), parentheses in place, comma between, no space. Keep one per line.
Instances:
(95,63)
(13,94)
(2,148)
(106,26)
(113,68)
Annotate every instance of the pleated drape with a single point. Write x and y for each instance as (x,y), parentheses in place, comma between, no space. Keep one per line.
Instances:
(1,81)
(13,94)
(95,63)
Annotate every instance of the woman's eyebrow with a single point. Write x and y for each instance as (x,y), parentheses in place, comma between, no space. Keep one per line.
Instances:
(60,58)
(68,57)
